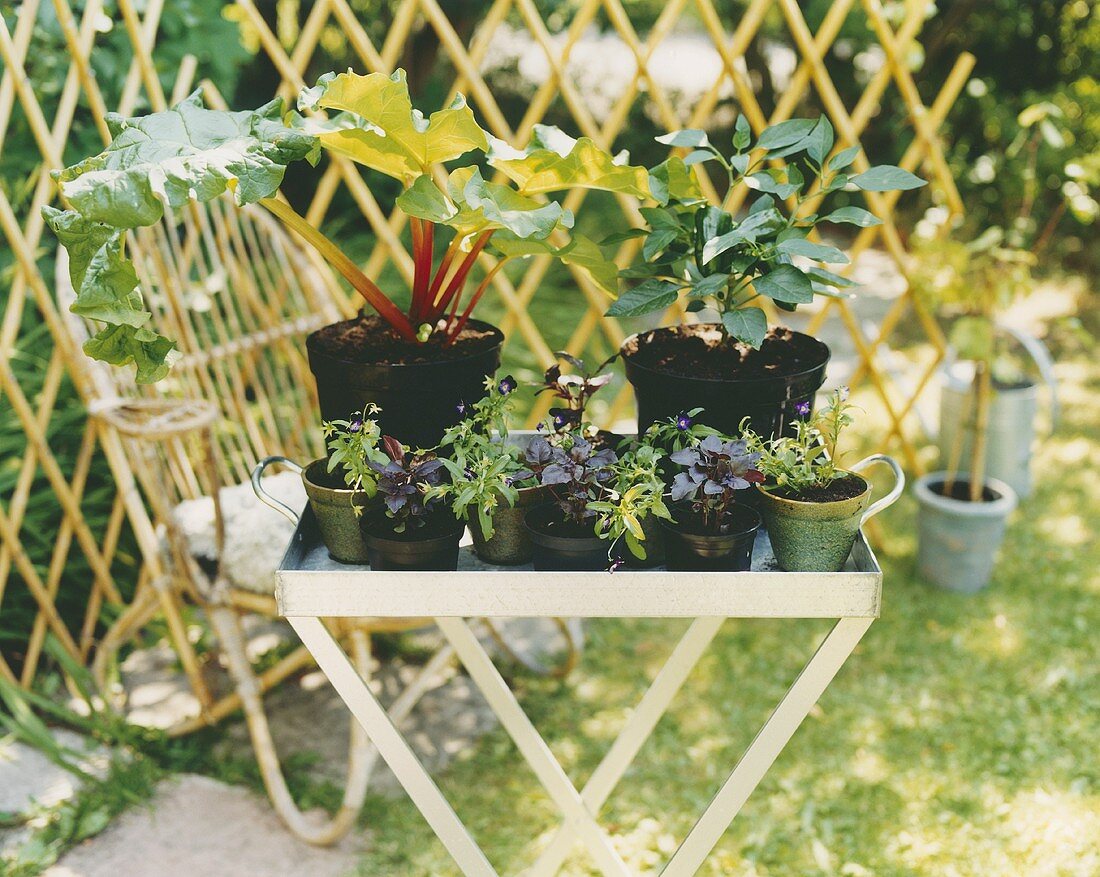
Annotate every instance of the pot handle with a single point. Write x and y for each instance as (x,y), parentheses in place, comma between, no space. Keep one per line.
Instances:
(1040,355)
(895,492)
(265,497)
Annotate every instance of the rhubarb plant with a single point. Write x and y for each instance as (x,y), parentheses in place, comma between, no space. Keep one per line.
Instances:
(730,262)
(188,154)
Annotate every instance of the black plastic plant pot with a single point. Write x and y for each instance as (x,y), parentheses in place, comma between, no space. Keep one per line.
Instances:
(419,400)
(430,548)
(770,398)
(562,547)
(689,549)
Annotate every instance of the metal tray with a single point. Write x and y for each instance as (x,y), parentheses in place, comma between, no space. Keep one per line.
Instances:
(311,583)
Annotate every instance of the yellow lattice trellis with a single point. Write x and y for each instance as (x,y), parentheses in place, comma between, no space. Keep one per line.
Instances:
(810,83)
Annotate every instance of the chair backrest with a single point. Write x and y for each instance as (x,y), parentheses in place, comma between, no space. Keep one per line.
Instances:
(239,295)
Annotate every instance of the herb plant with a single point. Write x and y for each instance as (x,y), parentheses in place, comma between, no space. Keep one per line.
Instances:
(729,262)
(405,480)
(715,469)
(576,472)
(483,469)
(354,445)
(676,433)
(162,162)
(636,491)
(808,459)
(575,390)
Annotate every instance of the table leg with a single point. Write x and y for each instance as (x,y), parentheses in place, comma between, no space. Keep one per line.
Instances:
(768,743)
(392,747)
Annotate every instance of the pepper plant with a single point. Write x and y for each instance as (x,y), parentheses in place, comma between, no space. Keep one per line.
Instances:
(729,262)
(188,154)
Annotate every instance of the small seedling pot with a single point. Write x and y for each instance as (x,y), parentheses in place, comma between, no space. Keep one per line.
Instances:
(561,547)
(689,549)
(958,540)
(432,547)
(811,536)
(510,544)
(333,507)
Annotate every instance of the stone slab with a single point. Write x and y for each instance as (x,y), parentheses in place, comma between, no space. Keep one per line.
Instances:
(196,825)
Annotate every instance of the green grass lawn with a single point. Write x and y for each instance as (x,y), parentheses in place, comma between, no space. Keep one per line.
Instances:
(960,739)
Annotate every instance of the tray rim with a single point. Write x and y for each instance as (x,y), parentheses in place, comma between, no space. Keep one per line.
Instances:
(510,592)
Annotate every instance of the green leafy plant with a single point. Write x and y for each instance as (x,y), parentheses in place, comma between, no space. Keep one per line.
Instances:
(635,492)
(354,445)
(727,262)
(484,470)
(165,161)
(809,458)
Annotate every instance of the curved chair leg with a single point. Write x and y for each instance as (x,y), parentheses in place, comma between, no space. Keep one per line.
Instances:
(563,668)
(362,755)
(141,610)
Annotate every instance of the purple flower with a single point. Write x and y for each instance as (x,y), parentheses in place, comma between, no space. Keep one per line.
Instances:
(683,422)
(356,423)
(562,418)
(506,385)
(802,409)
(616,565)
(461,408)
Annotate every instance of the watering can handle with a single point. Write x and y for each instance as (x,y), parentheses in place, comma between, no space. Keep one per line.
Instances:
(1039,354)
(895,492)
(265,497)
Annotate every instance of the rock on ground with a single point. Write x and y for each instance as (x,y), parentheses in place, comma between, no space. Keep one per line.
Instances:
(195,825)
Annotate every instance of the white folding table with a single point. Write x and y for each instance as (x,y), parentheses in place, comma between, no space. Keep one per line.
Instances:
(311,586)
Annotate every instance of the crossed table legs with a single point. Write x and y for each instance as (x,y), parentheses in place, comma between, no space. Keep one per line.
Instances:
(579,809)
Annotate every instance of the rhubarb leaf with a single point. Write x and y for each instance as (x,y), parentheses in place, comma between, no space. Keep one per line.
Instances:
(187,153)
(580,252)
(392,137)
(553,161)
(487,205)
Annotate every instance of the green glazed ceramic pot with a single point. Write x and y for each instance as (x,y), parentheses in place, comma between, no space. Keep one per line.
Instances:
(818,536)
(510,543)
(333,507)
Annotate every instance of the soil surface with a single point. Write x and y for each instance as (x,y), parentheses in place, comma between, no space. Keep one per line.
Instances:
(702,351)
(369,339)
(845,487)
(961,491)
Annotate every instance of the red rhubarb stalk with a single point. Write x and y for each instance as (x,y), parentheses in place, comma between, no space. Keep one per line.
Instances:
(457,327)
(458,280)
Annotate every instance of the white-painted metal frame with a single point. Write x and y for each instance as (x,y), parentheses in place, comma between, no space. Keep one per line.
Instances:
(311,587)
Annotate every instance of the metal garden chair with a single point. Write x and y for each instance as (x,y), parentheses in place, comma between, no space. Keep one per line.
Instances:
(239,294)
